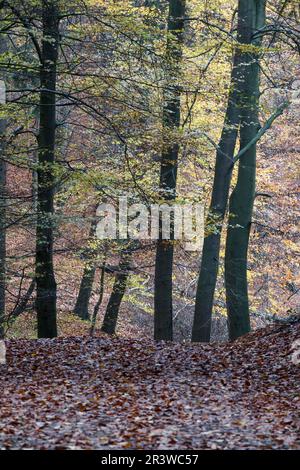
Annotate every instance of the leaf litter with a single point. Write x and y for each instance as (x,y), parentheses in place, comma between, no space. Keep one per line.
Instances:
(120,393)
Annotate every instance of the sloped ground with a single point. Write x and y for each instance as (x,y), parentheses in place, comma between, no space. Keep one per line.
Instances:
(103,393)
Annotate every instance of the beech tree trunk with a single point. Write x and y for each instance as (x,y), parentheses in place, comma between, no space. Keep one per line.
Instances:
(2,216)
(163,311)
(112,310)
(242,197)
(99,301)
(45,279)
(222,177)
(83,299)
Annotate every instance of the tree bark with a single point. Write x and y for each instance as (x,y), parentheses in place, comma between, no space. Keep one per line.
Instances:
(163,311)
(112,310)
(99,302)
(45,279)
(22,305)
(242,197)
(83,299)
(222,177)
(2,217)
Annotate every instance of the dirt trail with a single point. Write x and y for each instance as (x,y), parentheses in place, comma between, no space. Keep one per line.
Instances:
(116,393)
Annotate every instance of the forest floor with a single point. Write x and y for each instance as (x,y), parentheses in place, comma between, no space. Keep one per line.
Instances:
(118,393)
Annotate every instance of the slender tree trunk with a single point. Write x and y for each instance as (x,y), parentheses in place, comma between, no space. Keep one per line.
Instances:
(2,217)
(81,308)
(83,299)
(163,321)
(34,187)
(223,171)
(99,302)
(242,197)
(22,305)
(45,279)
(112,310)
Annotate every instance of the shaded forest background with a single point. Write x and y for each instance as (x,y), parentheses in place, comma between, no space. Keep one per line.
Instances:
(111,75)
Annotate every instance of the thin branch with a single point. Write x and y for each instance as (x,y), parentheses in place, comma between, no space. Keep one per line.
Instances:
(262,131)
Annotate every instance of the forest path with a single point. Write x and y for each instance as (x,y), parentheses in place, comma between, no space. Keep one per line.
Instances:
(114,393)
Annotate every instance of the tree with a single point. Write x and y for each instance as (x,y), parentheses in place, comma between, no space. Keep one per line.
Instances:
(99,301)
(2,215)
(163,310)
(120,81)
(82,303)
(45,278)
(220,191)
(242,197)
(3,203)
(112,310)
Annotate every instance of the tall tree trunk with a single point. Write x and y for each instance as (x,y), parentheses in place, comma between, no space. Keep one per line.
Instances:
(83,299)
(163,311)
(242,197)
(2,216)
(99,301)
(112,310)
(45,279)
(222,177)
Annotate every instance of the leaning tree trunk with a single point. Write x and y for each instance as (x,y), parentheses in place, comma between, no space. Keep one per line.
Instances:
(83,299)
(112,310)
(223,170)
(2,216)
(45,279)
(242,197)
(163,311)
(99,301)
